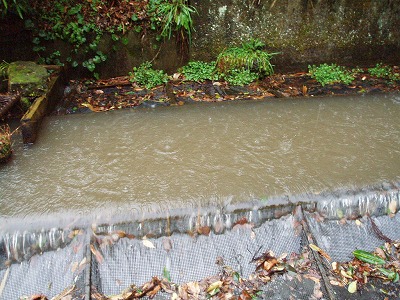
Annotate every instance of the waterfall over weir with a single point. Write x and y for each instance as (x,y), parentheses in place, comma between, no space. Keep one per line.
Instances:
(55,259)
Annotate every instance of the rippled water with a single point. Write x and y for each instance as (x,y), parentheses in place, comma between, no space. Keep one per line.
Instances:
(154,160)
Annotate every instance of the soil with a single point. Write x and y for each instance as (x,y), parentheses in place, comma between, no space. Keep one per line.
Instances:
(117,93)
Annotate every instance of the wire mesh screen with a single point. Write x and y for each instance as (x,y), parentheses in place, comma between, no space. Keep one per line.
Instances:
(48,274)
(190,259)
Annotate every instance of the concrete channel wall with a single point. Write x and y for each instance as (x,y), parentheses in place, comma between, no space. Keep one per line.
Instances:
(302,31)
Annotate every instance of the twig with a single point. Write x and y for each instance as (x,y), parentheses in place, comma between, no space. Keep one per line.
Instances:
(378,232)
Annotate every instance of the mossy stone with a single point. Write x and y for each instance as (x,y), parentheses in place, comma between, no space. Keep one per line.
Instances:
(27,78)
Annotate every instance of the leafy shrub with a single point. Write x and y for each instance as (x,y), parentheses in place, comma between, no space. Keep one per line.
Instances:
(199,71)
(250,56)
(328,74)
(146,76)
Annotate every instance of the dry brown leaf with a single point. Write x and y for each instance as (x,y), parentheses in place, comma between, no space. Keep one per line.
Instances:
(269,264)
(335,266)
(304,90)
(167,244)
(38,297)
(193,288)
(380,253)
(99,257)
(204,230)
(335,282)
(317,293)
(320,251)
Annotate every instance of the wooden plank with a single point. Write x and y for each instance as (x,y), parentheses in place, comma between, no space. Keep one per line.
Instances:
(6,102)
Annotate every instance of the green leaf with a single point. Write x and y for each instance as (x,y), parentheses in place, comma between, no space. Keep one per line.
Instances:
(74,10)
(368,257)
(134,18)
(352,288)
(389,273)
(166,274)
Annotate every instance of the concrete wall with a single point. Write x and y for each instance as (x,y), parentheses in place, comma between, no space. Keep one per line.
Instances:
(304,31)
(350,32)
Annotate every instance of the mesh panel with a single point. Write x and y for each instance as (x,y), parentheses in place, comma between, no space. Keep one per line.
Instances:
(48,274)
(191,259)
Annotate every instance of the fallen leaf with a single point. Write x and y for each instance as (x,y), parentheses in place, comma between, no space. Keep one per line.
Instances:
(334,266)
(269,264)
(241,221)
(320,251)
(193,288)
(317,293)
(38,297)
(176,76)
(167,243)
(204,230)
(393,206)
(352,288)
(215,285)
(335,282)
(358,223)
(344,274)
(380,253)
(97,254)
(304,90)
(148,244)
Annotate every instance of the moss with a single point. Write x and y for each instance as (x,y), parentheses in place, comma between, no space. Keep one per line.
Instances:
(27,78)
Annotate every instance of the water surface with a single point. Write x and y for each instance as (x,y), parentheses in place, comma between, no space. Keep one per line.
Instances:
(154,160)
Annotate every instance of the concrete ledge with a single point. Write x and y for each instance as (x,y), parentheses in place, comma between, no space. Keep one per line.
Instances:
(40,108)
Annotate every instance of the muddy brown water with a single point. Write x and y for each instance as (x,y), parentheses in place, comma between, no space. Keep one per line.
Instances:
(99,166)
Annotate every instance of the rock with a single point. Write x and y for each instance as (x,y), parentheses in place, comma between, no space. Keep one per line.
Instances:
(27,78)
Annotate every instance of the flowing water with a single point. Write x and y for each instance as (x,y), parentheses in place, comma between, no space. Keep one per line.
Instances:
(131,162)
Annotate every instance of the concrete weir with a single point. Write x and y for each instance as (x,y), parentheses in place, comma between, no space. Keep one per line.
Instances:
(41,107)
(50,262)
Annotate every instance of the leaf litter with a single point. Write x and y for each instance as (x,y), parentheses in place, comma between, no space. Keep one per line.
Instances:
(382,264)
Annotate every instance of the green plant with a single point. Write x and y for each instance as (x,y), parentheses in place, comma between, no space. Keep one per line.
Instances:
(328,74)
(5,143)
(240,76)
(25,102)
(250,56)
(146,76)
(18,6)
(383,71)
(176,15)
(199,71)
(380,71)
(4,68)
